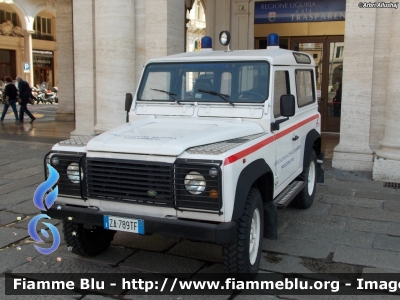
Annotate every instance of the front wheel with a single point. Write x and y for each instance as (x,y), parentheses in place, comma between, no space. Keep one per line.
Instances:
(243,255)
(306,197)
(84,241)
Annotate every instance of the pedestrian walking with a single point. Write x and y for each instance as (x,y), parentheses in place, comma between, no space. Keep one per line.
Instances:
(25,93)
(10,94)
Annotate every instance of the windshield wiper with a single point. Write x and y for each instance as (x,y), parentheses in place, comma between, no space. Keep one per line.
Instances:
(222,96)
(168,93)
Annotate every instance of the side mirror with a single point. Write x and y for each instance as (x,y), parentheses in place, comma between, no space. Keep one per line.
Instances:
(128,102)
(128,105)
(288,106)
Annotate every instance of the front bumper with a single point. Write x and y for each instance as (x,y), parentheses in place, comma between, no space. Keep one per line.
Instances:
(218,233)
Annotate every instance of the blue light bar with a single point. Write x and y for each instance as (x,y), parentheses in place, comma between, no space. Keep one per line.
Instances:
(273,40)
(206,42)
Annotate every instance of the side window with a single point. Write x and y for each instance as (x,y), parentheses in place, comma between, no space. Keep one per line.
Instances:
(281,87)
(305,88)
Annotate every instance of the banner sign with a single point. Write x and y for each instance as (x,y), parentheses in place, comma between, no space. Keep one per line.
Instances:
(299,11)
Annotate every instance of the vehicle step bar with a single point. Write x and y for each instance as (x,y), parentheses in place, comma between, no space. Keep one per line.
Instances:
(288,194)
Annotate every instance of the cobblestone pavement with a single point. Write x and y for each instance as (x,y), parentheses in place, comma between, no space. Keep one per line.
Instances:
(353,227)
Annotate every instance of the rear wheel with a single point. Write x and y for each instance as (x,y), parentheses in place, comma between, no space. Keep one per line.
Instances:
(84,241)
(306,197)
(243,255)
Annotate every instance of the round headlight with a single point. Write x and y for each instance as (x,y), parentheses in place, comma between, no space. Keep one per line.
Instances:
(195,183)
(73,172)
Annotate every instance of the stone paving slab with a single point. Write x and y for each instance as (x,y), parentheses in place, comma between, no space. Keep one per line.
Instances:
(213,269)
(392,205)
(368,257)
(352,201)
(385,242)
(22,164)
(282,263)
(16,184)
(154,242)
(346,183)
(374,226)
(11,236)
(316,208)
(297,216)
(26,207)
(4,181)
(161,263)
(365,213)
(12,257)
(112,256)
(326,189)
(377,195)
(198,250)
(17,175)
(335,236)
(19,195)
(7,218)
(299,247)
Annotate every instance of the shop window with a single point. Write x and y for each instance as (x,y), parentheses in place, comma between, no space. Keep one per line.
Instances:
(305,88)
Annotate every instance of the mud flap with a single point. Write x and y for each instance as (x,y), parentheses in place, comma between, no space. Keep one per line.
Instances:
(320,172)
(270,221)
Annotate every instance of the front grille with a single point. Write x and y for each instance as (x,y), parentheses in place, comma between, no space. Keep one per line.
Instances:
(139,182)
(186,200)
(65,186)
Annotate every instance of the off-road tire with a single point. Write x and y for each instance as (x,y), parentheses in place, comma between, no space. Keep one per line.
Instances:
(86,242)
(236,255)
(306,197)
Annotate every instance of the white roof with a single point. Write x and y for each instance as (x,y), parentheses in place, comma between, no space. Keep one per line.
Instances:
(276,56)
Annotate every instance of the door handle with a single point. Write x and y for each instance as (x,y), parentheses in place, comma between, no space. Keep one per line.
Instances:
(295,138)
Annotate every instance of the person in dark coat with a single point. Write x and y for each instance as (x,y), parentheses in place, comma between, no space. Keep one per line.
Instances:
(10,93)
(337,102)
(25,93)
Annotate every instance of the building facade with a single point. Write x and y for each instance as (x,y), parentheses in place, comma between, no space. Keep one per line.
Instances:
(28,41)
(353,48)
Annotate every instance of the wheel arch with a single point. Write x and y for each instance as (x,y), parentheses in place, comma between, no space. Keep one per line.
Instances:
(313,142)
(256,174)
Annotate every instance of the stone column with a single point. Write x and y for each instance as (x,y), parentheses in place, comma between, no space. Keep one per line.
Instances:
(65,61)
(84,67)
(160,31)
(387,161)
(28,56)
(380,76)
(114,44)
(353,151)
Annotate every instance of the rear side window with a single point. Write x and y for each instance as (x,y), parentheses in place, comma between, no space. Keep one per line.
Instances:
(281,87)
(305,87)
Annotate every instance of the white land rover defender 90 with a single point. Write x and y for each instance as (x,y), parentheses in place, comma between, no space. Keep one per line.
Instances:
(215,142)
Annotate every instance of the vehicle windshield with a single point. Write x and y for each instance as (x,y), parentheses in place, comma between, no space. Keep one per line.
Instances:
(238,82)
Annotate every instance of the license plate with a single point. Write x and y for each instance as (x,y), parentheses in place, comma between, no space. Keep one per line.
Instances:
(124,224)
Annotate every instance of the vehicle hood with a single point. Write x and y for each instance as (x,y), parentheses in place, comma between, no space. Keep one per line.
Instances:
(169,137)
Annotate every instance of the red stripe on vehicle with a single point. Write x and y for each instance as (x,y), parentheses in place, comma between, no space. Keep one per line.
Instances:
(269,140)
